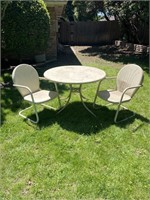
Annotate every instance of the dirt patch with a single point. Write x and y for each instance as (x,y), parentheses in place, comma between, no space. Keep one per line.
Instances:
(107,52)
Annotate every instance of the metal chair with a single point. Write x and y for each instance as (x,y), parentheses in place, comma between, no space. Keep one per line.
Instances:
(26,80)
(128,81)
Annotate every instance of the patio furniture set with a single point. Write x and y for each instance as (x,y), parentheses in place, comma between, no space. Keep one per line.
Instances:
(27,81)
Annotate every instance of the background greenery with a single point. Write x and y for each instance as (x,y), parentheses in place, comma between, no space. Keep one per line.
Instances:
(25,28)
(133,16)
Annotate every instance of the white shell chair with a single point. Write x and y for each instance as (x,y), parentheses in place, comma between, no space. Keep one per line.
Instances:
(27,81)
(128,81)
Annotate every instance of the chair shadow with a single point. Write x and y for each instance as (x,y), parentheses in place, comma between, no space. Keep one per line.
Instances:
(77,119)
(73,118)
(109,114)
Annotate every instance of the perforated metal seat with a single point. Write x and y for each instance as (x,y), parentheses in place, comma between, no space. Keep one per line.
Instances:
(27,81)
(128,81)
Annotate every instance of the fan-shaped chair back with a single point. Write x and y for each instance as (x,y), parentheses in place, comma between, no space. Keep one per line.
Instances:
(129,76)
(25,74)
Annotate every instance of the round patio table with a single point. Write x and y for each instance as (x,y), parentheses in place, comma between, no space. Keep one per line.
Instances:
(75,75)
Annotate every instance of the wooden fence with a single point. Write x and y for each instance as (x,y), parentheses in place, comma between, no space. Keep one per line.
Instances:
(88,33)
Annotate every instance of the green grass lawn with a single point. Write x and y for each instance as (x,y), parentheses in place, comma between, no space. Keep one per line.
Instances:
(72,155)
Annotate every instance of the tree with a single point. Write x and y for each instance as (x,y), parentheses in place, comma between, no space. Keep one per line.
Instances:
(132,15)
(70,11)
(85,10)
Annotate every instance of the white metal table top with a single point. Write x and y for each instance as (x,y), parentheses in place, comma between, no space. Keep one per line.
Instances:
(74,74)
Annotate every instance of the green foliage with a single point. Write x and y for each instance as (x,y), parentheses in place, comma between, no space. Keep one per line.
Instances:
(25,28)
(69,11)
(132,15)
(84,10)
(4,5)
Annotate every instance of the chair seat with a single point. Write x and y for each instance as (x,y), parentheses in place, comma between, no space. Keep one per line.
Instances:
(113,96)
(41,96)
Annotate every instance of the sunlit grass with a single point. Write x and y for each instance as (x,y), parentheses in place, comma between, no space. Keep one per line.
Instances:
(72,155)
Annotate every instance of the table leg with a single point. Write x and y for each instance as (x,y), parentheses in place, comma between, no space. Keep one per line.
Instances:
(58,94)
(81,97)
(67,102)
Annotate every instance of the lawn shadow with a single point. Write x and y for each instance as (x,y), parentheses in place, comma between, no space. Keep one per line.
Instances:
(73,118)
(77,119)
(63,58)
(108,116)
(47,117)
(12,100)
(114,54)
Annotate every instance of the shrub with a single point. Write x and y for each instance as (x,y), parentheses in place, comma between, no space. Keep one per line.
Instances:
(25,29)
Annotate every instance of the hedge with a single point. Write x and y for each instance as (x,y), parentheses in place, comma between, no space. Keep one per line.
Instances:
(25,28)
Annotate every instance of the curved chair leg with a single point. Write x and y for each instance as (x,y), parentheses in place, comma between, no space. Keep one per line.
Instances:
(36,114)
(117,112)
(47,106)
(116,115)
(96,95)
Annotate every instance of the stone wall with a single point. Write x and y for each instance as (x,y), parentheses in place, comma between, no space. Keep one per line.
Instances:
(55,13)
(136,48)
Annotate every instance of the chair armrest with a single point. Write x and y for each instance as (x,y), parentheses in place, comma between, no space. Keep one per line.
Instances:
(110,77)
(42,78)
(25,87)
(128,88)
(132,87)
